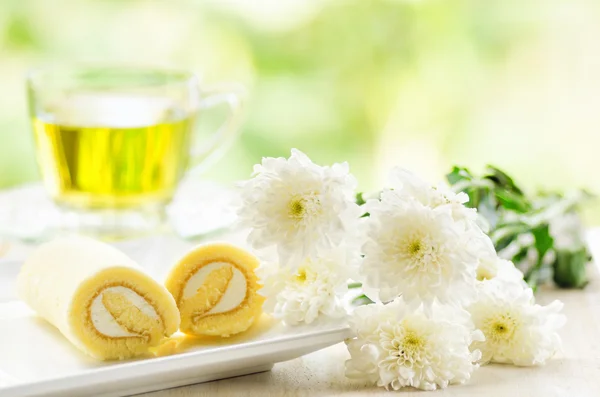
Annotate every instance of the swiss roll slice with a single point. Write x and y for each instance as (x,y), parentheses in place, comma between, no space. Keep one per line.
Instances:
(215,288)
(98,298)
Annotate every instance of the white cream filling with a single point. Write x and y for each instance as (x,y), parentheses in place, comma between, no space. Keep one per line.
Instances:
(105,323)
(232,298)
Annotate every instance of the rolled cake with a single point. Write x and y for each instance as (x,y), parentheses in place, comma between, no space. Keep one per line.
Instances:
(98,298)
(215,288)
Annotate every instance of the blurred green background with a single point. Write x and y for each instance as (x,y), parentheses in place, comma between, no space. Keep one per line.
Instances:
(424,84)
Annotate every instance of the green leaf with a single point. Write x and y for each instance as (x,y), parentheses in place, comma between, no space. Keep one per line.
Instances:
(360,199)
(505,241)
(458,174)
(361,300)
(543,243)
(510,214)
(474,195)
(502,179)
(510,200)
(570,268)
(519,256)
(543,240)
(354,285)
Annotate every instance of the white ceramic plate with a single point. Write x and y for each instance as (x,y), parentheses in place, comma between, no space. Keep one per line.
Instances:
(36,360)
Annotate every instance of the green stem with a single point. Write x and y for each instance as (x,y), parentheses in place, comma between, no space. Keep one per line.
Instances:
(354,285)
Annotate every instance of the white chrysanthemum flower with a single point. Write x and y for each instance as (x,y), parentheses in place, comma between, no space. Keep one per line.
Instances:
(489,265)
(313,290)
(492,268)
(517,331)
(298,207)
(417,251)
(408,185)
(397,347)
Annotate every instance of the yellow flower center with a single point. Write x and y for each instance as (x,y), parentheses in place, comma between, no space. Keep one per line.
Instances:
(416,250)
(297,208)
(414,247)
(405,346)
(304,206)
(304,275)
(500,328)
(300,276)
(411,344)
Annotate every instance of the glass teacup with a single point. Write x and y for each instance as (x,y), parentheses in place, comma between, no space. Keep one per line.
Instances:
(113,142)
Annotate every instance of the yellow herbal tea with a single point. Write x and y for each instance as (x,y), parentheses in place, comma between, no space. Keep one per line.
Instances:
(112,152)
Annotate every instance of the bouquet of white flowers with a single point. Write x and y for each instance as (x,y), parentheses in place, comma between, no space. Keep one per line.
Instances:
(441,300)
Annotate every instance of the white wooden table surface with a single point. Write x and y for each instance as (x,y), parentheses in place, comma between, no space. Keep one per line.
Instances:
(575,372)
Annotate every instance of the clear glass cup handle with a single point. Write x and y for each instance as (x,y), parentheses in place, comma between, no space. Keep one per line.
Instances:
(204,154)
